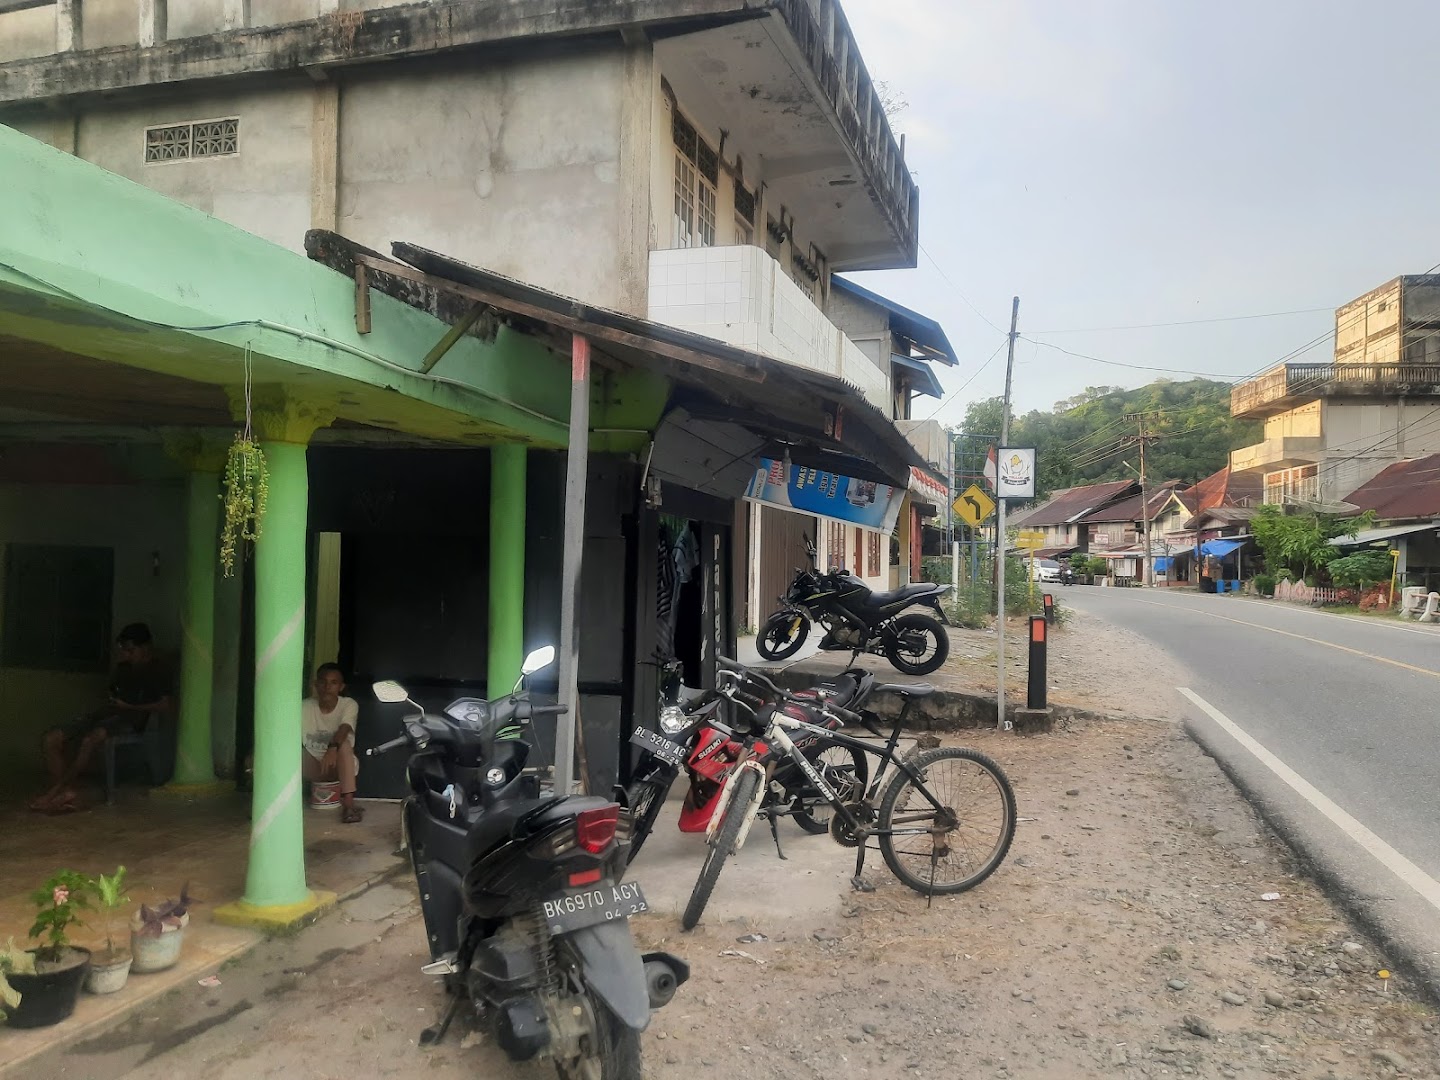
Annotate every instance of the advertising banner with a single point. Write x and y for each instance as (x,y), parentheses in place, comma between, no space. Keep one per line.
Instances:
(1016,478)
(812,491)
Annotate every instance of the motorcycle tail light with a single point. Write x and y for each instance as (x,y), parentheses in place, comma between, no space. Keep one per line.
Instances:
(595,829)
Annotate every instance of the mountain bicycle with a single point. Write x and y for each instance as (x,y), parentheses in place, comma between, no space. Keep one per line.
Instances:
(943,819)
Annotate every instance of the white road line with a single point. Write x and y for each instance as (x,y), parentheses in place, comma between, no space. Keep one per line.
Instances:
(1363,620)
(1387,856)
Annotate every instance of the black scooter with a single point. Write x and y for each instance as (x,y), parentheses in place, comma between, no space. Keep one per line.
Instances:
(522,893)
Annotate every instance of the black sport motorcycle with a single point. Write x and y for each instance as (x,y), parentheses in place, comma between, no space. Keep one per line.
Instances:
(858,620)
(522,892)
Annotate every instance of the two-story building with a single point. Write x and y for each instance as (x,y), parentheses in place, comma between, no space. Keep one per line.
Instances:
(643,169)
(1331,426)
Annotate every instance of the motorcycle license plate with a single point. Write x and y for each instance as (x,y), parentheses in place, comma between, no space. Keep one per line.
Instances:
(589,907)
(659,745)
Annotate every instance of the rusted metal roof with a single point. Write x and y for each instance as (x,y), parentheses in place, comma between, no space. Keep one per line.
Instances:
(1407,489)
(1071,504)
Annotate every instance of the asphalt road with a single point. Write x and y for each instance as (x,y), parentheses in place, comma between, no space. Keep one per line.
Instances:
(1330,724)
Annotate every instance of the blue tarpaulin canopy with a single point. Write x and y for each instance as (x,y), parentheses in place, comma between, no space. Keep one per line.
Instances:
(1220,548)
(1162,563)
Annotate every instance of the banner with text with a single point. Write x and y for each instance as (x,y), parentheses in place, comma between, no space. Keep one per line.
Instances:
(813,491)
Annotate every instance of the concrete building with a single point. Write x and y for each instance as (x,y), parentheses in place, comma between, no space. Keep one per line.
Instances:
(1331,426)
(707,164)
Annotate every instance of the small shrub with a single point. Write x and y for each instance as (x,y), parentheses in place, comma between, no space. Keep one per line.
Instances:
(1265,584)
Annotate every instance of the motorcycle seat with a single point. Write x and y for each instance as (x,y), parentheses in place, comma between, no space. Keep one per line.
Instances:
(909,690)
(497,822)
(841,690)
(905,592)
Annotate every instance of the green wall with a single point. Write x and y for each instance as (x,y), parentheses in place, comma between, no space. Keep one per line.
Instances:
(139,522)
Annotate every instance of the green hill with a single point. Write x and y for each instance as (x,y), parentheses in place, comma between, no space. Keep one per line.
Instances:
(1080,440)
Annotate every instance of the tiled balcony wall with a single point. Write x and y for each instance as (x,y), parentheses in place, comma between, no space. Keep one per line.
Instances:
(740,295)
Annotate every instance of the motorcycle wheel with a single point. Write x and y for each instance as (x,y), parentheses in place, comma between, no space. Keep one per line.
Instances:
(910,657)
(646,800)
(735,811)
(614,1053)
(846,770)
(779,638)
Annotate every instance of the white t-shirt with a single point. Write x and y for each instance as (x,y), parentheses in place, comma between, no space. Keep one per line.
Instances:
(318,728)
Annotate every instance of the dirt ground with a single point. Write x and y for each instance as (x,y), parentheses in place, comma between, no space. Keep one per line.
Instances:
(1126,934)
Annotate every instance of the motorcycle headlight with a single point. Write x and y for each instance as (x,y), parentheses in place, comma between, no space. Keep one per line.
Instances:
(673,720)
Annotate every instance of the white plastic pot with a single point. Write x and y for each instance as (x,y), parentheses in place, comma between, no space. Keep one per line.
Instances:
(157,953)
(108,978)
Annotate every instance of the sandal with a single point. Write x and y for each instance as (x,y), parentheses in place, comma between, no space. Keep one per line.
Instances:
(353,815)
(66,804)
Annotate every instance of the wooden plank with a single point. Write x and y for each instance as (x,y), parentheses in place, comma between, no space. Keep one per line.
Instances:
(454,334)
(362,297)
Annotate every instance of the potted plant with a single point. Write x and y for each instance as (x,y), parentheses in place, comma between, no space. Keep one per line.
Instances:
(110,969)
(48,994)
(157,933)
(12,962)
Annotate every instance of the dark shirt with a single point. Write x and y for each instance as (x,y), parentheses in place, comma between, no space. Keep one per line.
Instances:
(141,684)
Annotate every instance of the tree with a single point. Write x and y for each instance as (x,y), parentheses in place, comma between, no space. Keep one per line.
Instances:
(1301,542)
(983,417)
(1362,569)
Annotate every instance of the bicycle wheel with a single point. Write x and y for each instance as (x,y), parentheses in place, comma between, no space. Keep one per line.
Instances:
(647,798)
(735,811)
(846,770)
(966,839)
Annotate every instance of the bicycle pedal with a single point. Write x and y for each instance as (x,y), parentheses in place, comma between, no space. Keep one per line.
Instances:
(444,966)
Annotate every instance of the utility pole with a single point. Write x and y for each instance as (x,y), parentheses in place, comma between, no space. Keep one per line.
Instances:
(1147,564)
(1000,525)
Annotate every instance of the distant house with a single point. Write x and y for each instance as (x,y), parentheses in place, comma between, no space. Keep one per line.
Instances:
(1406,500)
(1062,515)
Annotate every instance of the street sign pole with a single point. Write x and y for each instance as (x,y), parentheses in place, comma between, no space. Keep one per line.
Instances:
(1000,720)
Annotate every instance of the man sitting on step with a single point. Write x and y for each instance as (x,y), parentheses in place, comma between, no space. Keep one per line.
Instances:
(327,731)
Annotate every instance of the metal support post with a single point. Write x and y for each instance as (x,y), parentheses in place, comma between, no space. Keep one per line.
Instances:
(576,467)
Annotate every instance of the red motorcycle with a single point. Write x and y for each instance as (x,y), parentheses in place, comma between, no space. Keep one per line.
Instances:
(693,736)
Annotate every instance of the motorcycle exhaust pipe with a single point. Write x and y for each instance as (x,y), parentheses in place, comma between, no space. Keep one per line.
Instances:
(663,975)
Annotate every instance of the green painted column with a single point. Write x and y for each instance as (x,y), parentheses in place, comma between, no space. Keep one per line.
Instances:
(194,756)
(507,568)
(276,873)
(276,897)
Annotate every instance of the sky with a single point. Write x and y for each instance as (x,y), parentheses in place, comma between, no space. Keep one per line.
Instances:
(1125,162)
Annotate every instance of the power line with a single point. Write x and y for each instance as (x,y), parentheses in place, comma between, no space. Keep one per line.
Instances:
(1138,367)
(1181,322)
(946,399)
(968,302)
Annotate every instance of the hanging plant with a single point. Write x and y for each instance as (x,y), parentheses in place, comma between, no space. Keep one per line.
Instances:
(246,491)
(246,483)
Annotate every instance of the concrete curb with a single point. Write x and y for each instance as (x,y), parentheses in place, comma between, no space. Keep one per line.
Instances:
(1343,880)
(944,710)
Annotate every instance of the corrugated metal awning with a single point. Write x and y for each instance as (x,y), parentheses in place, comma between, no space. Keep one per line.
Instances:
(1370,536)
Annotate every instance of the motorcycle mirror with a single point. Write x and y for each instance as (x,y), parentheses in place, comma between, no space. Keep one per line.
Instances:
(538,660)
(390,691)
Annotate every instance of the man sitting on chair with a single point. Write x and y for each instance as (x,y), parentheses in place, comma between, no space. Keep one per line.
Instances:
(140,686)
(327,730)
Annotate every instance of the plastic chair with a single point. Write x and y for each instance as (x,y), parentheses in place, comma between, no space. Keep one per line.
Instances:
(148,740)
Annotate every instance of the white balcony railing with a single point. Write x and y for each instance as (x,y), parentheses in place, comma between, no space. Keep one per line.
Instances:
(740,295)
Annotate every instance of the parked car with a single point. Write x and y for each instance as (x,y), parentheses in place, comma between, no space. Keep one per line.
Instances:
(1045,570)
